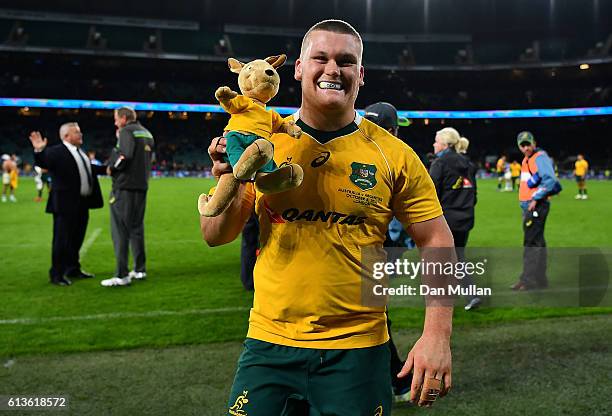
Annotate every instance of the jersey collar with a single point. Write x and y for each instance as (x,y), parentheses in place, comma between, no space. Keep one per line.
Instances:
(326,136)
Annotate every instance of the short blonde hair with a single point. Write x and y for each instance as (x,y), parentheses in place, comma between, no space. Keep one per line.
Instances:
(463,145)
(449,136)
(334,26)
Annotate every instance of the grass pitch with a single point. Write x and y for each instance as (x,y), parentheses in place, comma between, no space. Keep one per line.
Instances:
(185,322)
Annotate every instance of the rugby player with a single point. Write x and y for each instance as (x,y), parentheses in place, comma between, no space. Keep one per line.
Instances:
(10,178)
(312,346)
(500,168)
(581,167)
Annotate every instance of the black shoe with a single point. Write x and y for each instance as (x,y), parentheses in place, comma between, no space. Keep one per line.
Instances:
(61,281)
(80,275)
(401,388)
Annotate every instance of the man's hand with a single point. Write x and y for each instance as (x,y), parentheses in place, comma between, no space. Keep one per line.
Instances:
(38,142)
(430,361)
(532,205)
(216,151)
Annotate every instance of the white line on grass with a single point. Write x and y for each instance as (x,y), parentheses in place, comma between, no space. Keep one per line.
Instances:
(119,315)
(109,242)
(153,314)
(89,242)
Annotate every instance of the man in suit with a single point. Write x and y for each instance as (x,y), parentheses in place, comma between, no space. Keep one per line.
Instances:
(75,190)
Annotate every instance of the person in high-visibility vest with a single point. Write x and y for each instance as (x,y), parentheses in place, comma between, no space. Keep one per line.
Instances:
(581,168)
(538,183)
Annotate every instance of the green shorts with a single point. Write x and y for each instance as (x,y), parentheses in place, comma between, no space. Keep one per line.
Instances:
(236,144)
(275,380)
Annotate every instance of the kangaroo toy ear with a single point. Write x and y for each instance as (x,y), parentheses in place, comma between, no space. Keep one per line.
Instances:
(235,65)
(276,60)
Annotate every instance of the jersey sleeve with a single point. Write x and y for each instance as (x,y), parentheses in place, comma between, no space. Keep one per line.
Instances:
(414,194)
(236,105)
(248,199)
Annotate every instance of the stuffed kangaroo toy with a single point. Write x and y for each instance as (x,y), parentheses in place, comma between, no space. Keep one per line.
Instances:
(249,150)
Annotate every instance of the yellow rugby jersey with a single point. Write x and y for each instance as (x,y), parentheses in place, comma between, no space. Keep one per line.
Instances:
(515,168)
(249,117)
(308,272)
(581,167)
(501,165)
(14,175)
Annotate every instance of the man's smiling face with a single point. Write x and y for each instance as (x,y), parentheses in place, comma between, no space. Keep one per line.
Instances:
(330,70)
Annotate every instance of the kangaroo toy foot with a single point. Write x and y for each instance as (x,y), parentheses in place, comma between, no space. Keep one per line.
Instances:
(253,158)
(287,177)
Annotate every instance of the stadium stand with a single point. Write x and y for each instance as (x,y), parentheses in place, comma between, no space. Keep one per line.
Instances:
(250,42)
(53,60)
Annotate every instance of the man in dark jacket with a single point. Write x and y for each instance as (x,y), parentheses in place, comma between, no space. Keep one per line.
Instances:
(455,179)
(397,240)
(130,168)
(75,190)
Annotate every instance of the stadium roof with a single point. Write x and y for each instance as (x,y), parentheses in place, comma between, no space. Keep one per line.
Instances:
(484,17)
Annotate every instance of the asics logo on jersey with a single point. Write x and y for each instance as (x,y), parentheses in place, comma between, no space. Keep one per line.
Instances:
(333,217)
(320,160)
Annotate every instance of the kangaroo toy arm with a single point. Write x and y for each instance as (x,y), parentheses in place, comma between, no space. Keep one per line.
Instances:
(290,128)
(224,94)
(230,100)
(280,125)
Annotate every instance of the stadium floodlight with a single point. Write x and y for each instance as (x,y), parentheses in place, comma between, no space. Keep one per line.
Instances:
(584,66)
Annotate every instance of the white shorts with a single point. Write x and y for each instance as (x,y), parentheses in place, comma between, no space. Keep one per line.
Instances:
(39,183)
(6,178)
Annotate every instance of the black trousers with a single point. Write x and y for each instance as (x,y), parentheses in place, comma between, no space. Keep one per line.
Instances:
(248,251)
(396,364)
(535,254)
(127,209)
(461,238)
(68,235)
